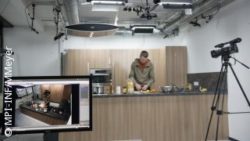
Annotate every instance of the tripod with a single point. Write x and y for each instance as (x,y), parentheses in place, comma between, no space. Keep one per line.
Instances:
(218,102)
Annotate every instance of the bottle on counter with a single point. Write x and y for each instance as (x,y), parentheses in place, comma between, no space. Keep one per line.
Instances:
(111,89)
(118,89)
(130,86)
(189,87)
(124,90)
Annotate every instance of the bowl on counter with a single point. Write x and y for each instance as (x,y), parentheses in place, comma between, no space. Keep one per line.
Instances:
(166,89)
(171,88)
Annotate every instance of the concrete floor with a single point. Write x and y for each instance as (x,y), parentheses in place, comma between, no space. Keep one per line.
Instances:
(23,120)
(26,137)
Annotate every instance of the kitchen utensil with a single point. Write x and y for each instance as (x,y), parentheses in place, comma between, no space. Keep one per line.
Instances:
(166,89)
(170,88)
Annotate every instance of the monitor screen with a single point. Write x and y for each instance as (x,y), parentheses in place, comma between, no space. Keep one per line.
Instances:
(47,103)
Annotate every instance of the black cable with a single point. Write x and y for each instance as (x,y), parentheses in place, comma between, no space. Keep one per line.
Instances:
(31,17)
(27,14)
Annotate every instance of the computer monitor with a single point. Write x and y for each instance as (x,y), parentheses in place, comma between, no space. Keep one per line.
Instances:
(47,104)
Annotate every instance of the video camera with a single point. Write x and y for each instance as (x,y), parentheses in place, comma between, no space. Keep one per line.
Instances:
(226,51)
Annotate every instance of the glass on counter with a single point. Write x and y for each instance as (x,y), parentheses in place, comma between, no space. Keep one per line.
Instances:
(124,90)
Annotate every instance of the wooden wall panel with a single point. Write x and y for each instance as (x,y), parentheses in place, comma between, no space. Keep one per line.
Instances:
(67,91)
(176,65)
(57,92)
(78,62)
(151,118)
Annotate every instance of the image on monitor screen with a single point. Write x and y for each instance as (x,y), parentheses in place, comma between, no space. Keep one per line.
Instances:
(42,104)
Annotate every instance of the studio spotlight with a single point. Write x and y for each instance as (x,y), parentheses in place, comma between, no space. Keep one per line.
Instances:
(107,2)
(173,4)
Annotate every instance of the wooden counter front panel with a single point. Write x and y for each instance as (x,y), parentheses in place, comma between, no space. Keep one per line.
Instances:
(152,118)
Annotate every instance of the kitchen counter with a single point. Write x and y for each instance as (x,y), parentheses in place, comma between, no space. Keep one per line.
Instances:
(47,117)
(49,113)
(138,94)
(152,117)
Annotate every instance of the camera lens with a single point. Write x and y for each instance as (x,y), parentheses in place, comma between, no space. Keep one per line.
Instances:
(215,53)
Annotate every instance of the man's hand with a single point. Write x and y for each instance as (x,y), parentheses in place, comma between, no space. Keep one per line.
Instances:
(145,87)
(138,87)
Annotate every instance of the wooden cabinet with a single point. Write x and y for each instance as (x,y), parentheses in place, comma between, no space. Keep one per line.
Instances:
(98,58)
(78,62)
(170,63)
(122,60)
(176,66)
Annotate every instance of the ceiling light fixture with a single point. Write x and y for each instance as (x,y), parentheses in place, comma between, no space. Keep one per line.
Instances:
(142,29)
(175,4)
(107,2)
(133,27)
(105,8)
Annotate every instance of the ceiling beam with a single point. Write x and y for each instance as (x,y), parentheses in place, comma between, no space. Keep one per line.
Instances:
(205,6)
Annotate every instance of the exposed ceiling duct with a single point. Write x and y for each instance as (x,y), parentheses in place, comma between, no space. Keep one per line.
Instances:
(72,12)
(81,13)
(200,8)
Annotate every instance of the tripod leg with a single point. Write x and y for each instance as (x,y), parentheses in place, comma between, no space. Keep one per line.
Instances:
(241,88)
(221,104)
(215,100)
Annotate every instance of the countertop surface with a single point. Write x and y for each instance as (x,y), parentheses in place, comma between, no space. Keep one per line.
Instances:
(49,113)
(137,94)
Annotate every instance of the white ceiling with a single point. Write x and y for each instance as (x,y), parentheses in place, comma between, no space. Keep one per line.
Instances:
(14,12)
(124,16)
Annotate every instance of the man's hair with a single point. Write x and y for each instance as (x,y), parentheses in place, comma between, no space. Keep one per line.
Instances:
(144,53)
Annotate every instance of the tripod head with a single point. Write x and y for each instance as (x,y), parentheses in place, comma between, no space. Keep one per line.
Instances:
(225,58)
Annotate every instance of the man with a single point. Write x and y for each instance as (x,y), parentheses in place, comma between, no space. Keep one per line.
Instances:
(142,72)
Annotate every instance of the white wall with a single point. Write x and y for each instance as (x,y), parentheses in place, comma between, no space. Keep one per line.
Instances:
(126,41)
(35,54)
(231,22)
(38,54)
